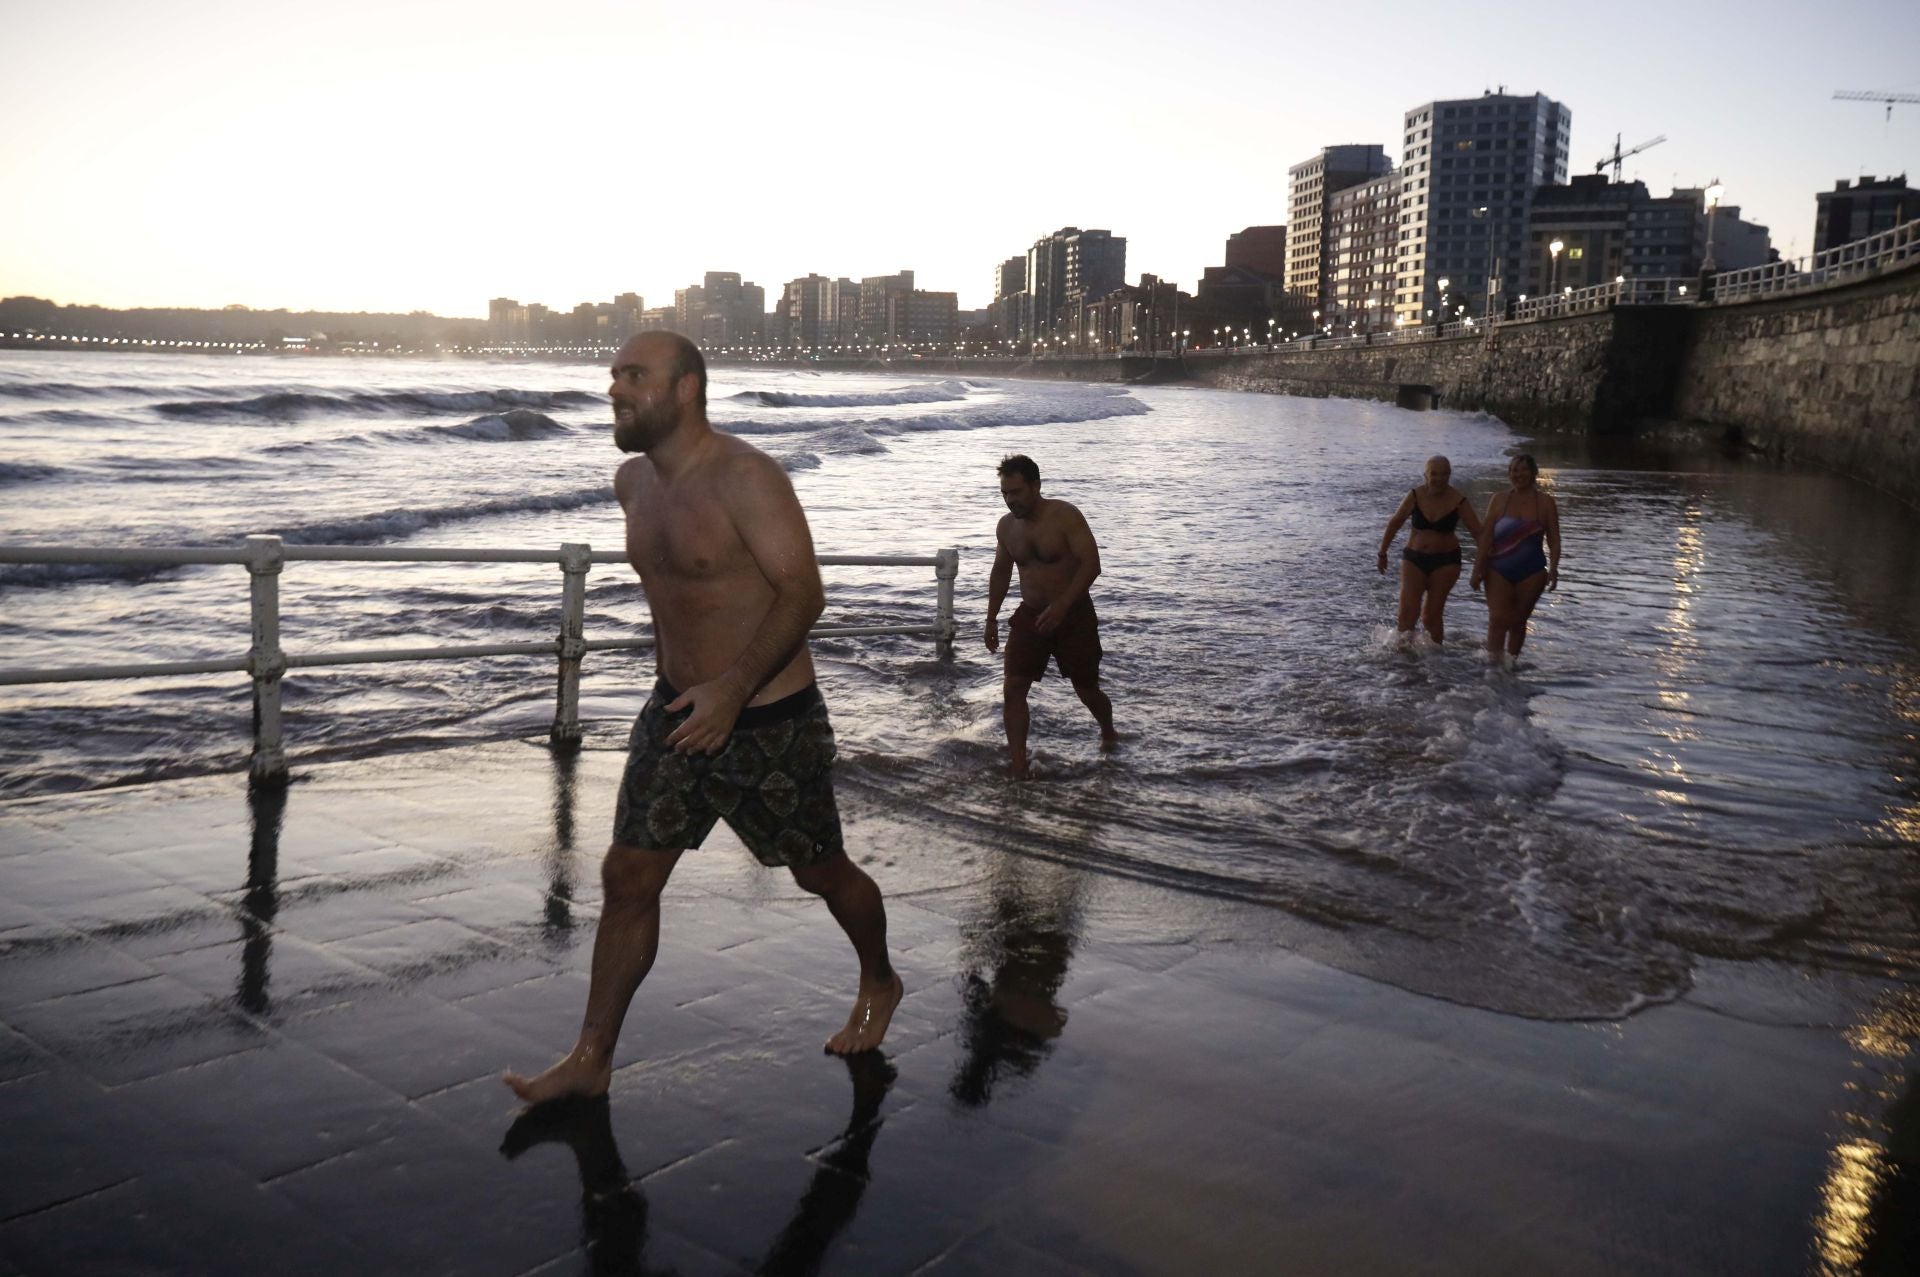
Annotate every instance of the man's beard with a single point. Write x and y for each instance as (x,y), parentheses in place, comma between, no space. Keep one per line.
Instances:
(646,428)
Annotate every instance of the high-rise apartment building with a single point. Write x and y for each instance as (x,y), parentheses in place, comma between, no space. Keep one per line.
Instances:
(1259,248)
(1359,236)
(808,304)
(1610,230)
(1311,185)
(1009,277)
(1855,211)
(877,293)
(1469,169)
(1068,267)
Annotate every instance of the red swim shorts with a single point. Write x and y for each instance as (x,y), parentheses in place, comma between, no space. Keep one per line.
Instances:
(1074,646)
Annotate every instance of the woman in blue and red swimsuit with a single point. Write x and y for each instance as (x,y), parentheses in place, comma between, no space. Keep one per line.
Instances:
(1430,564)
(1523,529)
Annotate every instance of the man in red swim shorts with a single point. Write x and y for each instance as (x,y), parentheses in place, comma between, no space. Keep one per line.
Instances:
(1051,544)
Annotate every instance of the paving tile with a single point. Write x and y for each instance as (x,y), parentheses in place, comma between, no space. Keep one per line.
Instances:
(546,1009)
(209,866)
(33,829)
(274,1110)
(194,1217)
(271,974)
(435,1204)
(174,932)
(317,841)
(509,910)
(20,1058)
(15,916)
(412,1044)
(991,1252)
(158,816)
(483,970)
(129,1031)
(134,913)
(66,1137)
(392,867)
(626,1238)
(819,955)
(52,883)
(414,950)
(34,969)
(325,909)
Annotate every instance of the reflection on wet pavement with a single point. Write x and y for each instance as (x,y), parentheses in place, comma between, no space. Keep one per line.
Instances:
(245,1033)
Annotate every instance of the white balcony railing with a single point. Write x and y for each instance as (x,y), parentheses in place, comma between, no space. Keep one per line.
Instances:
(266,663)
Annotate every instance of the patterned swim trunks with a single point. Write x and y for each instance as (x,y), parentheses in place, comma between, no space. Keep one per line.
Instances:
(771,782)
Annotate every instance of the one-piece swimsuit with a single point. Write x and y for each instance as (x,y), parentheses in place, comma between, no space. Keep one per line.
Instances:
(1519,546)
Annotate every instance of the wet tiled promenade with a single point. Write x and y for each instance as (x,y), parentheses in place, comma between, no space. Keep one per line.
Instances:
(265,1036)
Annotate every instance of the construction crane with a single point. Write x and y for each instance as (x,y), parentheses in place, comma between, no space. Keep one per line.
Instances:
(1876,95)
(1619,155)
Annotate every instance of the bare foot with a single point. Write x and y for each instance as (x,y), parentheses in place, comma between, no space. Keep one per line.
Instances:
(1109,741)
(1017,768)
(872,1013)
(582,1074)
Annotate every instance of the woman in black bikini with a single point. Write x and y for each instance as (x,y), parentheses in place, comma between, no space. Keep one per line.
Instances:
(1431,562)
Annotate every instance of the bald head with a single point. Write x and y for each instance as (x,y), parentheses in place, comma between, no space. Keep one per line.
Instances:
(681,358)
(659,384)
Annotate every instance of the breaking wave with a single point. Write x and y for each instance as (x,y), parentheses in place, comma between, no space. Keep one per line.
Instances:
(940,392)
(385,524)
(1011,412)
(291,405)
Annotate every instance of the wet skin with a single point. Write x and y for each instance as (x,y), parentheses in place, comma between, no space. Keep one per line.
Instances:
(724,554)
(1510,604)
(1053,548)
(1423,595)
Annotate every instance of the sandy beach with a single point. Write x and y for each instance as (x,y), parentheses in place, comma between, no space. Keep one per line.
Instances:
(247,1036)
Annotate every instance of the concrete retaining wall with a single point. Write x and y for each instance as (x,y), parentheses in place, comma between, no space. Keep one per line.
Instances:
(1832,378)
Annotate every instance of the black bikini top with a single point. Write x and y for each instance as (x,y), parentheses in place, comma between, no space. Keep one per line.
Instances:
(1442,524)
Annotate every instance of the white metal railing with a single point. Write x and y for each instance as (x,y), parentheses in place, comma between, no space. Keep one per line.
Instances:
(1867,256)
(267,663)
(1572,301)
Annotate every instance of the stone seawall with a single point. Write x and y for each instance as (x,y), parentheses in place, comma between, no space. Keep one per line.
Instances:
(1832,378)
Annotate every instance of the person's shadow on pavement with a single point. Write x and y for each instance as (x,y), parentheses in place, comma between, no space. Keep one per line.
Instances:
(613,1209)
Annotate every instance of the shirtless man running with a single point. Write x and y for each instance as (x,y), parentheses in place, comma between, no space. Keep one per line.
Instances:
(1054,549)
(735,727)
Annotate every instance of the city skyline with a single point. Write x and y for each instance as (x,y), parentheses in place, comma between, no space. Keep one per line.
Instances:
(284,159)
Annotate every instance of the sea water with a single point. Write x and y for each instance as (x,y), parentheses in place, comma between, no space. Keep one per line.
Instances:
(1710,749)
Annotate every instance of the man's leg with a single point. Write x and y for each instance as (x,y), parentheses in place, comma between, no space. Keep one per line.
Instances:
(1014,710)
(623,949)
(856,905)
(1087,688)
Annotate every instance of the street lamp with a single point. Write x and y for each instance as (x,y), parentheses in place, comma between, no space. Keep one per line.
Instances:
(1553,283)
(1485,214)
(1714,192)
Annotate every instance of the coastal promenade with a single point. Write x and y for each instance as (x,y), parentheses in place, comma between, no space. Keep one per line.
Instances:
(244,1033)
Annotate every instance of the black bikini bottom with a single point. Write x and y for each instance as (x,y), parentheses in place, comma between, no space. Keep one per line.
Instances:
(1432,562)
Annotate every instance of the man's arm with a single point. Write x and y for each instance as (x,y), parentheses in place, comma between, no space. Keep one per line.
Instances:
(997,582)
(1086,553)
(774,529)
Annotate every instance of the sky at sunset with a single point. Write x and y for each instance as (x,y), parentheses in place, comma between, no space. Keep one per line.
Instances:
(402,156)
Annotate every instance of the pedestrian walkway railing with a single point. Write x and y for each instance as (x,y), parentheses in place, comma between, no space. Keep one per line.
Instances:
(1888,249)
(267,663)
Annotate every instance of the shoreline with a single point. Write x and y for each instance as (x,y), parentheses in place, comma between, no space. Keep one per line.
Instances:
(310,996)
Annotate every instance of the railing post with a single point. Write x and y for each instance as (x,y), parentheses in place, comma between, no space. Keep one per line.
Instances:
(572,645)
(265,661)
(945,572)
